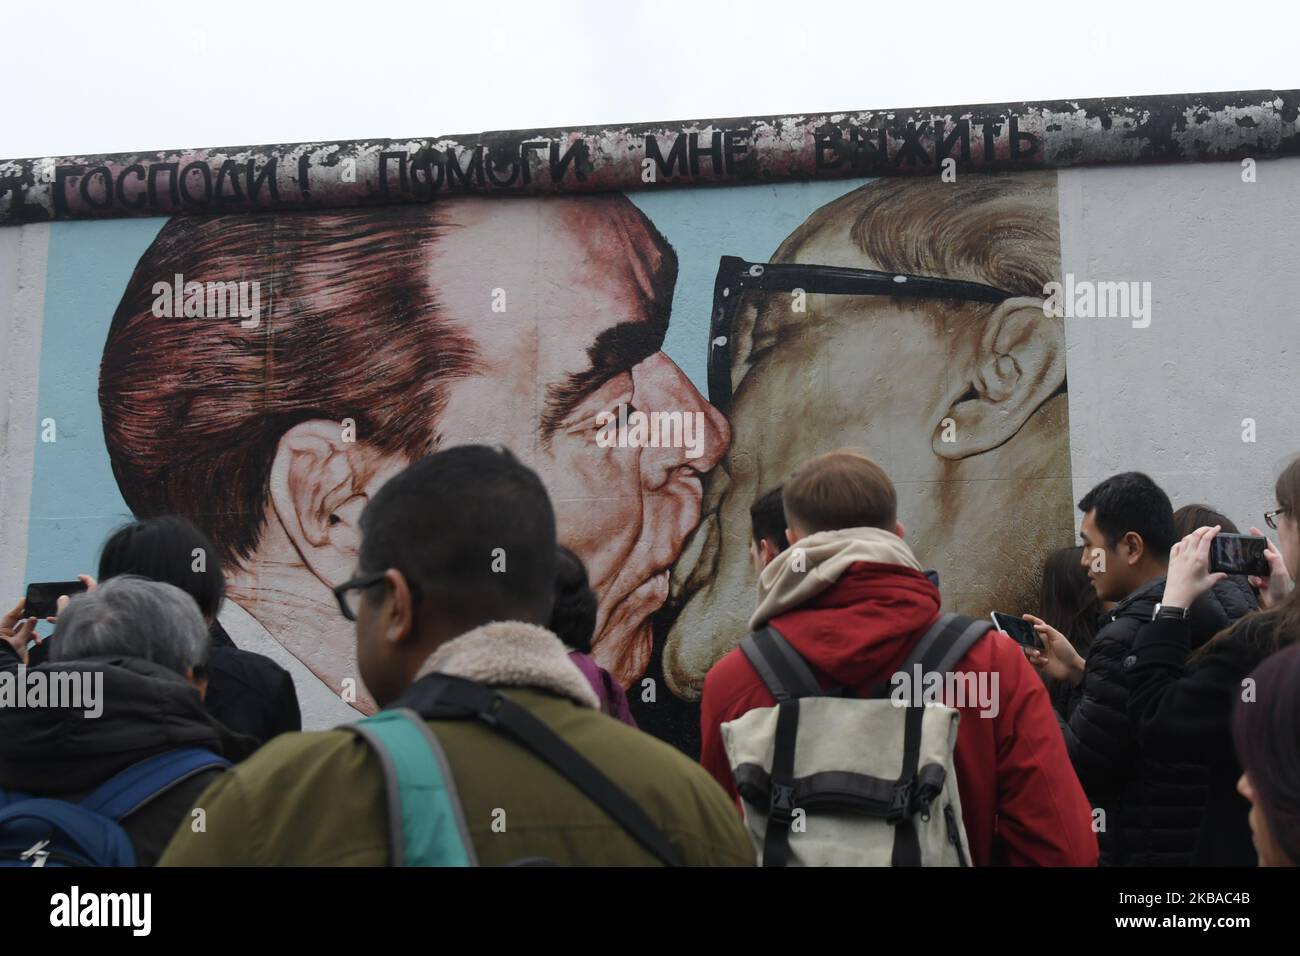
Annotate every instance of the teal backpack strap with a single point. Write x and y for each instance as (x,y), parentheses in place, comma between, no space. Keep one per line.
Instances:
(426,826)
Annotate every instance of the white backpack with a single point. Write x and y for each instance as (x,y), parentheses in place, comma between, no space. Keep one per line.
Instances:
(831,779)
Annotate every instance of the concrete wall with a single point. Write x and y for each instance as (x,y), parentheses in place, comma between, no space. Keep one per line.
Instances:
(992,417)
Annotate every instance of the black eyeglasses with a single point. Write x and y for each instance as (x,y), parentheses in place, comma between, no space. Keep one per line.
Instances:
(348,592)
(736,276)
(1271,517)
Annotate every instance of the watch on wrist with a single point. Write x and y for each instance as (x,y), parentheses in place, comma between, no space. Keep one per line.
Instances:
(1167,612)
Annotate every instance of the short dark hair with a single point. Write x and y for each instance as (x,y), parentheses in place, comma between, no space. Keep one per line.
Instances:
(1266,732)
(767,519)
(473,529)
(1190,517)
(840,489)
(1131,501)
(573,619)
(164,549)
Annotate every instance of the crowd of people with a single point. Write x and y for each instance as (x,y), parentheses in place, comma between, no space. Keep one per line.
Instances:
(1153,719)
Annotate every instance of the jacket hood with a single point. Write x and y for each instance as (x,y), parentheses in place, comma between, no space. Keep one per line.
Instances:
(855,608)
(816,562)
(143,709)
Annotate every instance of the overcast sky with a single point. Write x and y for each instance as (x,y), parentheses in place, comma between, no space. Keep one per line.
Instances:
(83,77)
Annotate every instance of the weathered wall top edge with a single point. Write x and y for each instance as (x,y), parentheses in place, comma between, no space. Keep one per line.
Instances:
(930,140)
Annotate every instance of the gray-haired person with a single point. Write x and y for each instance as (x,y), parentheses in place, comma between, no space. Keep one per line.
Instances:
(124,685)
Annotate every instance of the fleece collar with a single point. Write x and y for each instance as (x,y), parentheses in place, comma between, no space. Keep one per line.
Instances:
(513,654)
(808,568)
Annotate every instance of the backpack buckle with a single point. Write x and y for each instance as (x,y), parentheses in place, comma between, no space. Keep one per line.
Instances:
(489,716)
(36,853)
(781,803)
(900,804)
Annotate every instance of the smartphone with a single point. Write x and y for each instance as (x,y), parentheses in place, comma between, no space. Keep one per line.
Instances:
(1020,631)
(1239,554)
(43,596)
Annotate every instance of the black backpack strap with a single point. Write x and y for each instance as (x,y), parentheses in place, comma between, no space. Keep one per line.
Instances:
(907,842)
(780,809)
(441,696)
(786,674)
(953,637)
(938,651)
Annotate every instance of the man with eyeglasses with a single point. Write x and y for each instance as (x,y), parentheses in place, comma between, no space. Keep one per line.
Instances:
(905,318)
(502,754)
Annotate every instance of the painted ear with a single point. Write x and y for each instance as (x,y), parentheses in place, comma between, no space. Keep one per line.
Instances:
(320,484)
(1019,365)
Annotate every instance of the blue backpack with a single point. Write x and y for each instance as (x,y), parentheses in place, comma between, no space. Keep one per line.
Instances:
(43,831)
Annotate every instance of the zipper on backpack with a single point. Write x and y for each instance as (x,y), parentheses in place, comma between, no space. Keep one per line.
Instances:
(953,836)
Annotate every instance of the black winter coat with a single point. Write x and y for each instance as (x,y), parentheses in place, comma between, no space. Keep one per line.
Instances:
(1182,710)
(1153,808)
(147,710)
(249,693)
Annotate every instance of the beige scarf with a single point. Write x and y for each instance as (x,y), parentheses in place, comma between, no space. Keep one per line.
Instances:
(813,564)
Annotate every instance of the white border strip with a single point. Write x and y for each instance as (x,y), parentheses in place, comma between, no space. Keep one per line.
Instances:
(23,257)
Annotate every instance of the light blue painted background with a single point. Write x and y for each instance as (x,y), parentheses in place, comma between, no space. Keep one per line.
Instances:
(75,502)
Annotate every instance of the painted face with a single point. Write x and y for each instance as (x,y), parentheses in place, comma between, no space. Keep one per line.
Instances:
(881,375)
(576,335)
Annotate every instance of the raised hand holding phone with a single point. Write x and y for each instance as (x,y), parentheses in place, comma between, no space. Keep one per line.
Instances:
(1022,632)
(17,630)
(47,598)
(1189,569)
(88,584)
(1058,659)
(1274,588)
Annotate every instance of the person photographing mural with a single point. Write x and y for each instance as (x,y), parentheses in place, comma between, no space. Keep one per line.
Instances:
(247,692)
(143,734)
(1151,807)
(1127,530)
(1181,708)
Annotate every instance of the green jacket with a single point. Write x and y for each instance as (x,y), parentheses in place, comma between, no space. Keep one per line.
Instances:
(317,799)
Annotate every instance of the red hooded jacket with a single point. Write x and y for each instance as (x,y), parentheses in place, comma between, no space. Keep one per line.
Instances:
(1022,804)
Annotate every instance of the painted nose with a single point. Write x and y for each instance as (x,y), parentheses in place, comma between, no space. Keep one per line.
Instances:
(660,386)
(672,492)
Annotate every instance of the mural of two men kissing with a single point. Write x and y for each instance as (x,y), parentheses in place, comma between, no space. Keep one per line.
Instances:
(385,334)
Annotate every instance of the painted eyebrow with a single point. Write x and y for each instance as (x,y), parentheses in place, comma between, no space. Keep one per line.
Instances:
(616,350)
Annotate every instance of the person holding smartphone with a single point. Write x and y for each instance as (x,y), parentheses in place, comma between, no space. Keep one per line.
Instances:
(1181,708)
